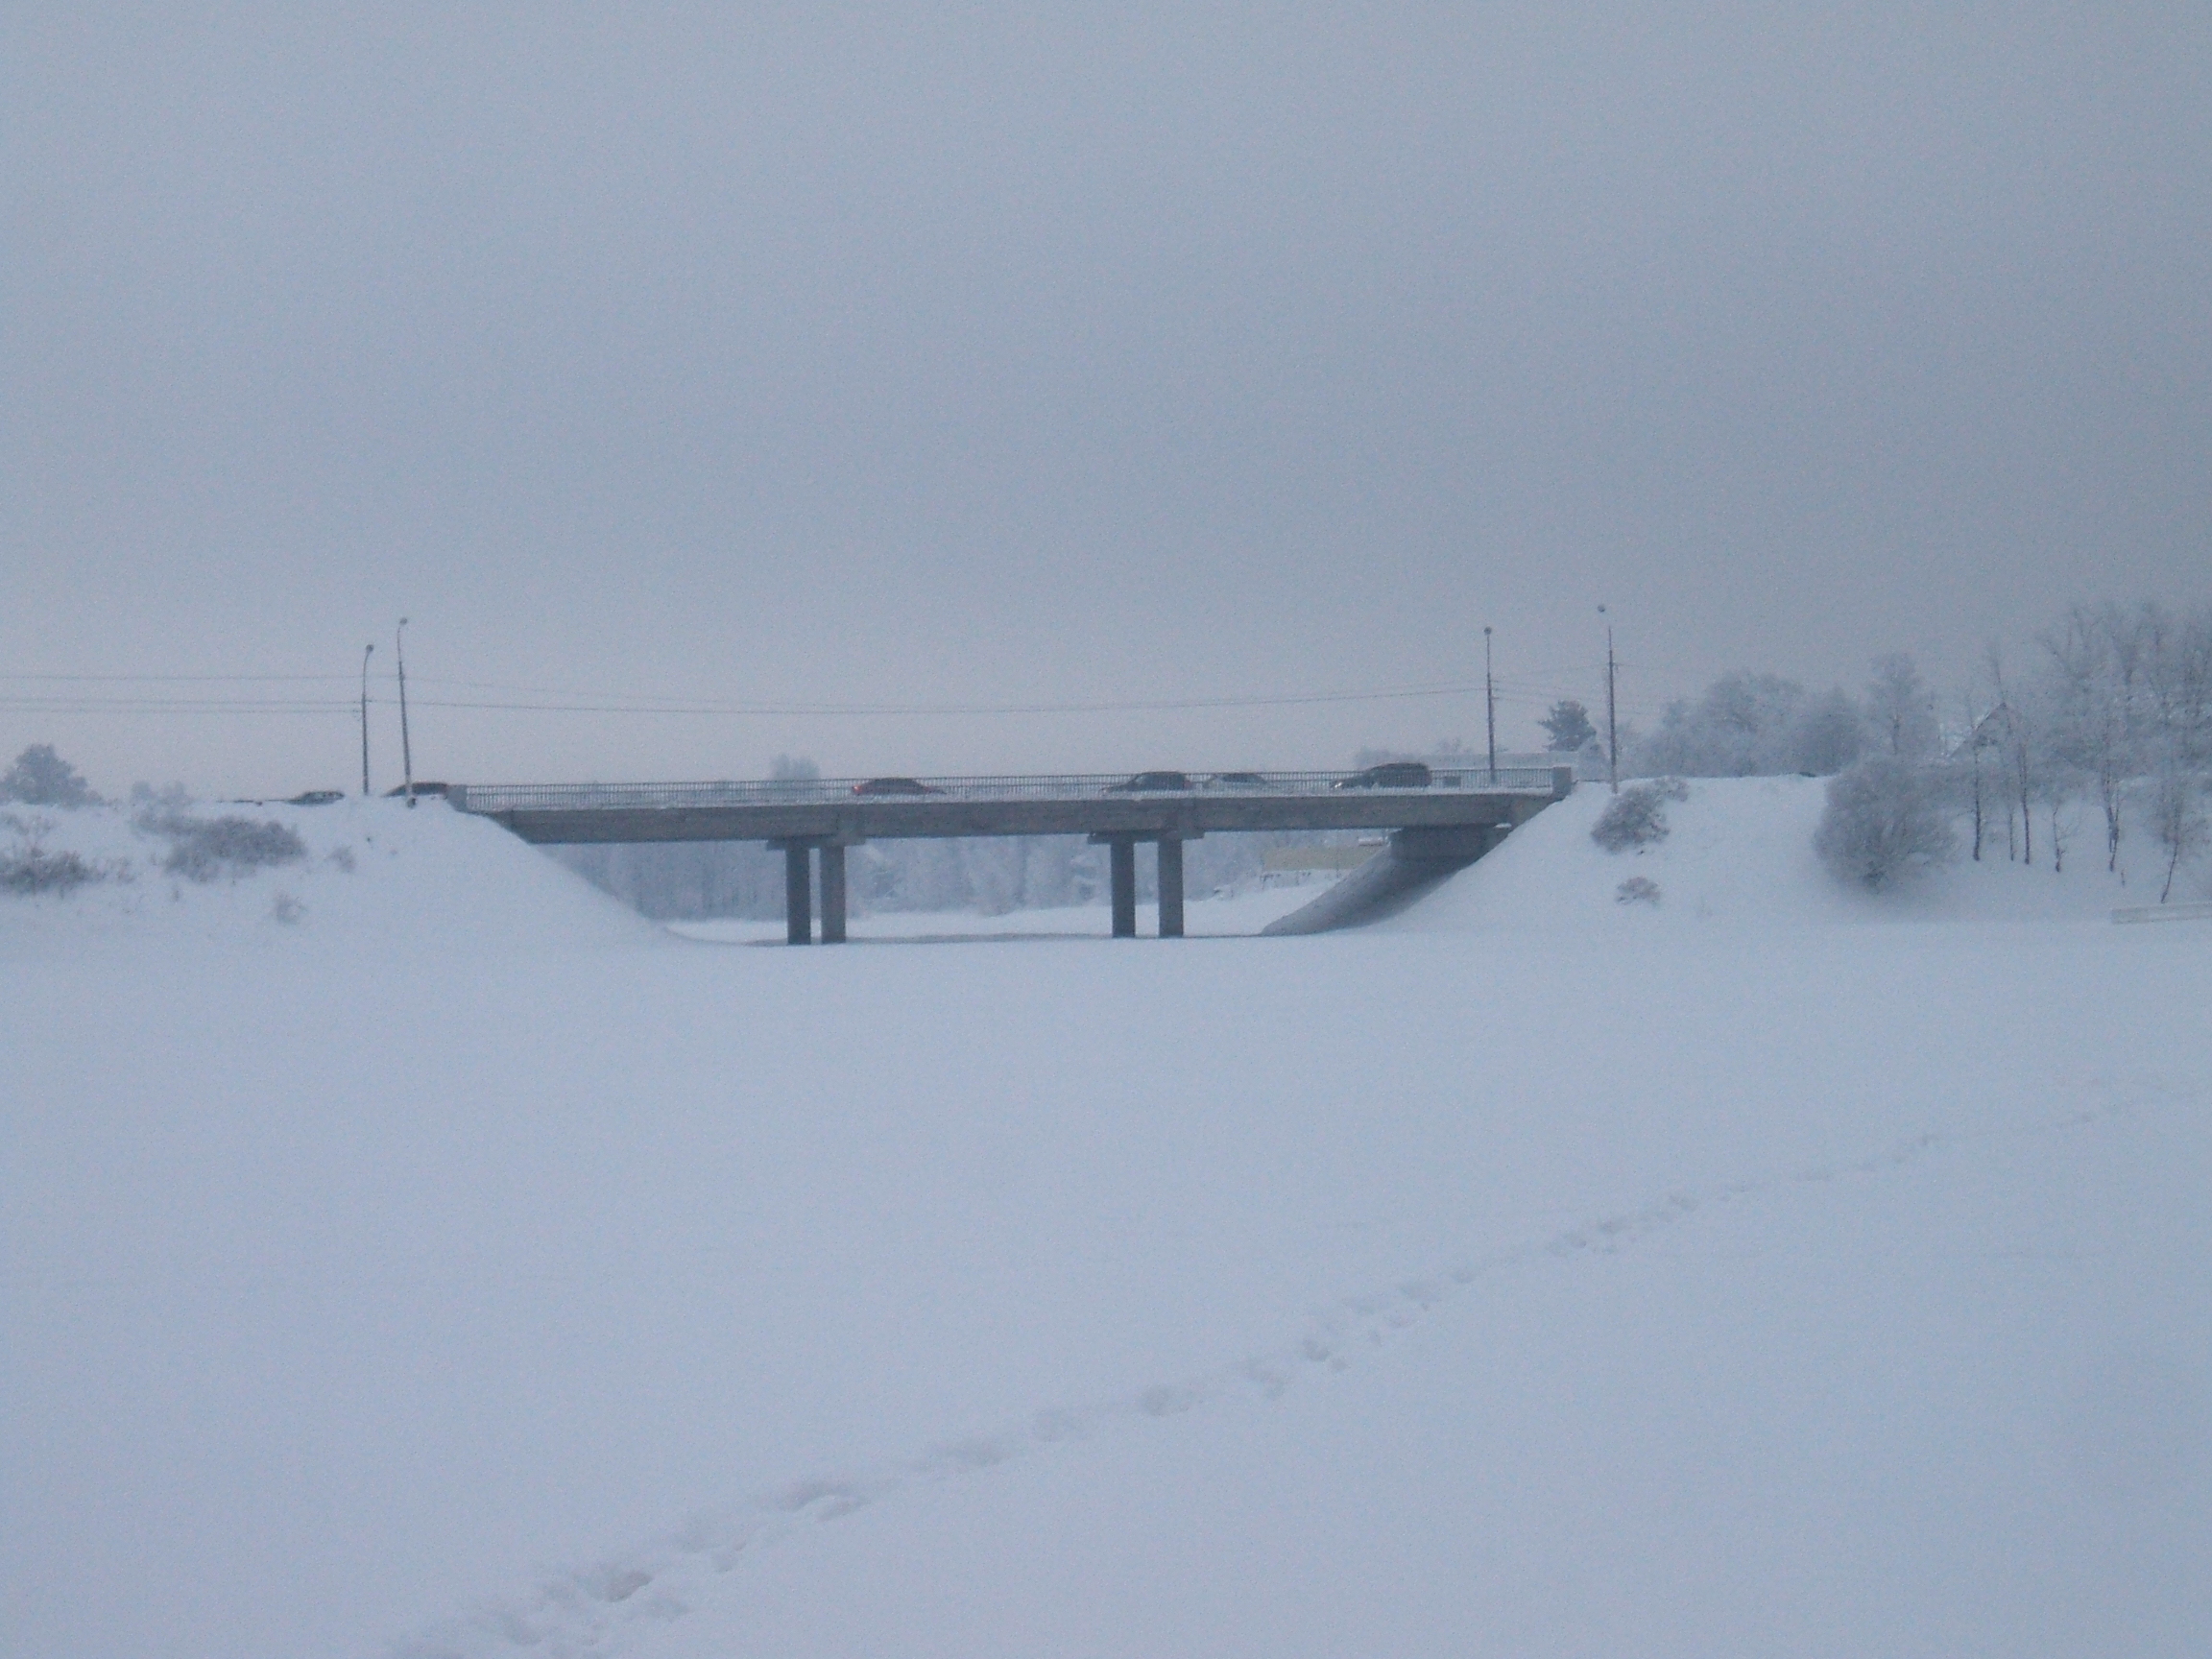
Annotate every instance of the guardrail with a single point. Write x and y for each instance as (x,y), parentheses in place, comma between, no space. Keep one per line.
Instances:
(2164,913)
(495,797)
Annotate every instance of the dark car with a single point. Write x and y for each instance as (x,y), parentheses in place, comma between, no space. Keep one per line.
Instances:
(315,798)
(1390,775)
(894,786)
(1151,783)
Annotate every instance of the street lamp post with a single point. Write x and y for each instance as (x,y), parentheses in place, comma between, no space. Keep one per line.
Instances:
(1612,723)
(1490,705)
(406,748)
(366,651)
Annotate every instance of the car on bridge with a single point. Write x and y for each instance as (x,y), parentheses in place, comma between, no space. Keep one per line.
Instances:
(1152,783)
(1390,775)
(894,786)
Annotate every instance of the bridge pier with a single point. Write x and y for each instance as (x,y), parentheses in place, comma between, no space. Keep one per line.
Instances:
(1121,878)
(1122,873)
(1170,887)
(834,893)
(798,895)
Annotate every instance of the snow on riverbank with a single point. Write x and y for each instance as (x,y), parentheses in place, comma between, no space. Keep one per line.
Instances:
(1544,1279)
(1739,851)
(369,875)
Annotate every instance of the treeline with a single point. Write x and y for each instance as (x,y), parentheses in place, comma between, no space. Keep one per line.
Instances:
(2107,715)
(2110,709)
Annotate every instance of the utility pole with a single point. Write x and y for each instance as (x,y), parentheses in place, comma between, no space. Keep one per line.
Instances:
(1490,704)
(366,651)
(406,748)
(1612,721)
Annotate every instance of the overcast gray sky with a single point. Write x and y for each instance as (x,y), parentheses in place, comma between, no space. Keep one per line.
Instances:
(982,356)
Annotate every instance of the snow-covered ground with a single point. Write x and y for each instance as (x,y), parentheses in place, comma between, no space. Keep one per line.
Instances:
(1224,914)
(445,1262)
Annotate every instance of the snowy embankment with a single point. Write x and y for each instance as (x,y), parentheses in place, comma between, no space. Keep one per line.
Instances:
(1739,852)
(360,876)
(1765,1271)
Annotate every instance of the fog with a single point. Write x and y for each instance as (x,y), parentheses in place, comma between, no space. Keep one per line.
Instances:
(1145,375)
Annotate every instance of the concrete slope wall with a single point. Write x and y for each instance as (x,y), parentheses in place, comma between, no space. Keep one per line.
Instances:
(1414,863)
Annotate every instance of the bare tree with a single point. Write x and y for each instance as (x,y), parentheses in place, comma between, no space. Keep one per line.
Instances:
(2014,750)
(2177,818)
(2088,709)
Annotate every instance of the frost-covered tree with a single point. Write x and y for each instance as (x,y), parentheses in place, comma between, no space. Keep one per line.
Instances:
(2016,751)
(1568,727)
(1901,710)
(2176,662)
(1752,725)
(1827,734)
(41,777)
(1883,824)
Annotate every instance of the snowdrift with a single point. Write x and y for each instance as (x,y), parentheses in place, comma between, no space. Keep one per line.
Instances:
(370,875)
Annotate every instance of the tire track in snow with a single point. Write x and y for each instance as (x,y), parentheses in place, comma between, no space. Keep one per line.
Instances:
(598,1611)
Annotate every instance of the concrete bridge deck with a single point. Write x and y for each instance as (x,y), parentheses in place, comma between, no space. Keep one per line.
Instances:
(1452,821)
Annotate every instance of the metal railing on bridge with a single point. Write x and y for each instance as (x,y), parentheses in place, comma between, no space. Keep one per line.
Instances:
(495,797)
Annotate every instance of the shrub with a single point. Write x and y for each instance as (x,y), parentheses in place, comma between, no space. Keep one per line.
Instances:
(29,868)
(1883,824)
(1637,890)
(1637,816)
(204,849)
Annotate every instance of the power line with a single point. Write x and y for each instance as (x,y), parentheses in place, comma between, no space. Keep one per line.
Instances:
(1520,690)
(151,679)
(618,704)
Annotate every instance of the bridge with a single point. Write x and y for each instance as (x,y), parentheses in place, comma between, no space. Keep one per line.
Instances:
(1437,826)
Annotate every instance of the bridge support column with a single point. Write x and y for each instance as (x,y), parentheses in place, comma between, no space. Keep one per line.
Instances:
(1170,887)
(833,894)
(1122,871)
(798,895)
